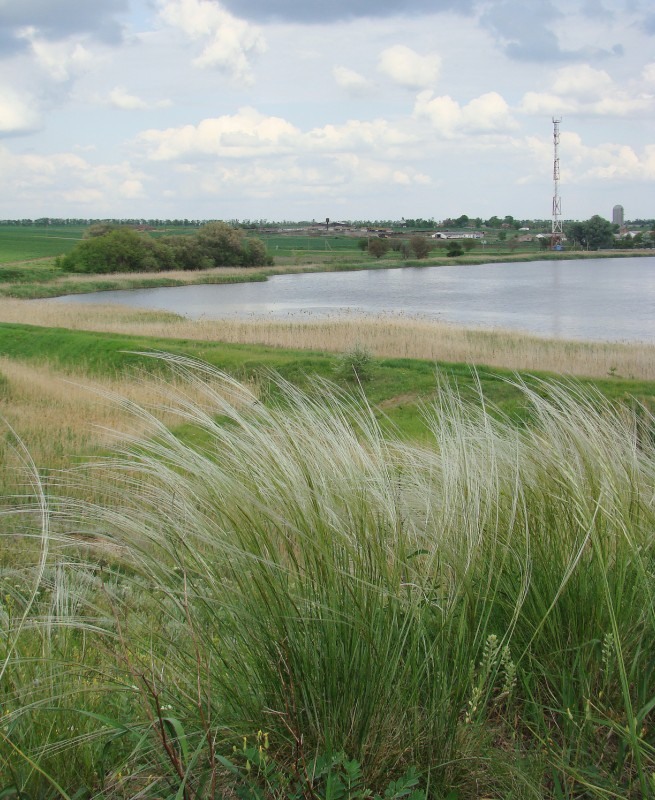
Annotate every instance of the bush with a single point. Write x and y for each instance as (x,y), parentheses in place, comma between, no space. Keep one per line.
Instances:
(454,249)
(420,246)
(108,249)
(355,364)
(118,250)
(378,247)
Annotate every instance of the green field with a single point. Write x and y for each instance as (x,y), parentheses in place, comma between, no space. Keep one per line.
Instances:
(24,243)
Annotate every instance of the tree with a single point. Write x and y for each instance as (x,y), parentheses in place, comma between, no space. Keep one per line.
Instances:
(221,244)
(420,246)
(469,244)
(124,250)
(378,247)
(593,234)
(119,250)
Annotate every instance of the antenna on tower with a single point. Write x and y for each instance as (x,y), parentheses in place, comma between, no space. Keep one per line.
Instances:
(557,234)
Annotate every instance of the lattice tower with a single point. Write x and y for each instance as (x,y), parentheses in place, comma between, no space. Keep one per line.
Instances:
(556,232)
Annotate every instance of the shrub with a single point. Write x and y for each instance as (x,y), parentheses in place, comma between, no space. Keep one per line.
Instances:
(109,249)
(378,247)
(454,249)
(420,246)
(355,364)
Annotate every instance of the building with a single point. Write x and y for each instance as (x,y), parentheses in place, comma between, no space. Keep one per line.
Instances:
(617,216)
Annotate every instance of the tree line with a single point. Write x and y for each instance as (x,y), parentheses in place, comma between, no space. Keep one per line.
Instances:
(122,249)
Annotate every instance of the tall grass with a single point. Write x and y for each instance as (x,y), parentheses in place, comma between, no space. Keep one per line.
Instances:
(385,336)
(480,607)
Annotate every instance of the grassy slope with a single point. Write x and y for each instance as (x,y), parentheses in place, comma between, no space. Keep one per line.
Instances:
(396,385)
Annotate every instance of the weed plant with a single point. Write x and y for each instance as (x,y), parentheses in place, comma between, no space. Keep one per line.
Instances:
(472,617)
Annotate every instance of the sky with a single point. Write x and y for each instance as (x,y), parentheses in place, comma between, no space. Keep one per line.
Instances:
(347,109)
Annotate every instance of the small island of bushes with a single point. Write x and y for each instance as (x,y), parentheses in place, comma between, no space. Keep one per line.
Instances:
(107,249)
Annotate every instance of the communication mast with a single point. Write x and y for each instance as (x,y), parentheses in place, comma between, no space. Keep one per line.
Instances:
(557,234)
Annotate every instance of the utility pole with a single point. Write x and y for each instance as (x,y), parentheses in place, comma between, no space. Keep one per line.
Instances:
(557,234)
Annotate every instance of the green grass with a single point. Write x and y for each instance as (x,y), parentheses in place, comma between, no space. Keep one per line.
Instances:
(478,606)
(400,383)
(23,243)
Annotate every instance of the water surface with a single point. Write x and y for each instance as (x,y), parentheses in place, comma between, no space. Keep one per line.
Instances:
(602,299)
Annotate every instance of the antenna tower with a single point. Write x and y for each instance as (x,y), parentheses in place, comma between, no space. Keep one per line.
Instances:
(557,234)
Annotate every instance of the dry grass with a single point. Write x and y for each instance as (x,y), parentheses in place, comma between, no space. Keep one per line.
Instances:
(64,416)
(389,337)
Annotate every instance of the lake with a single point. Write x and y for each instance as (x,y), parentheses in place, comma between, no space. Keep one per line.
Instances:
(599,299)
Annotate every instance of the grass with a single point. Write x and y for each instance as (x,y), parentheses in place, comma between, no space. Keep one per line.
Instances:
(295,589)
(478,605)
(384,337)
(24,243)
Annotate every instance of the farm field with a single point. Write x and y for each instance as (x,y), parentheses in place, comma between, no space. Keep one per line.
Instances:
(23,243)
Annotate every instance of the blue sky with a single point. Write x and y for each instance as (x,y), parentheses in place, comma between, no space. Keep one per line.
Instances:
(353,109)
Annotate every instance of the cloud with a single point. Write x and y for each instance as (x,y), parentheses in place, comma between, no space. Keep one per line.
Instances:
(648,24)
(376,136)
(243,134)
(526,31)
(249,134)
(487,114)
(317,12)
(57,21)
(62,60)
(604,162)
(18,113)
(407,68)
(74,181)
(227,43)
(119,97)
(586,90)
(351,81)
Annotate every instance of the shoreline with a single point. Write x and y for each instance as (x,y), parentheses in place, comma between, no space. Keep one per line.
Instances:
(86,284)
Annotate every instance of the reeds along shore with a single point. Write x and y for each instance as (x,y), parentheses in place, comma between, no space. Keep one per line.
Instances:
(479,607)
(388,337)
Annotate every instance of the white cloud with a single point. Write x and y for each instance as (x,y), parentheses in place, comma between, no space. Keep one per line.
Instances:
(131,188)
(75,180)
(648,73)
(243,134)
(351,81)
(583,82)
(378,135)
(487,114)
(18,112)
(608,161)
(227,43)
(586,90)
(60,60)
(119,97)
(407,68)
(250,134)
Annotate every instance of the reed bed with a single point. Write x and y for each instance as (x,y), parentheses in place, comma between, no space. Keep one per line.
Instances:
(384,336)
(301,585)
